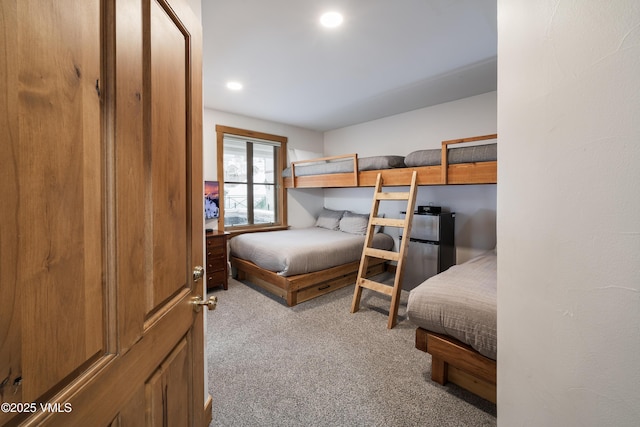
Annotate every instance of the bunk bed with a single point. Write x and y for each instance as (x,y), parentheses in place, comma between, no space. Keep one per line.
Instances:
(455,312)
(449,164)
(300,264)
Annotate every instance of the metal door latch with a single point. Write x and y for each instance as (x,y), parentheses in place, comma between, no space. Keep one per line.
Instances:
(198,302)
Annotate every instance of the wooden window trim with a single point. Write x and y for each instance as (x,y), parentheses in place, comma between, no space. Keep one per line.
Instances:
(281,218)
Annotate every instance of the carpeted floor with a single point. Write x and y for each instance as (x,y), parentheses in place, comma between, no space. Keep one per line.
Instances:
(316,364)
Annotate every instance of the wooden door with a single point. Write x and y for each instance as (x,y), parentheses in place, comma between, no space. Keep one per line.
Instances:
(101,213)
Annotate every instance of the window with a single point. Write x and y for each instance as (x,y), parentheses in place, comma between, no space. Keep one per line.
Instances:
(249,170)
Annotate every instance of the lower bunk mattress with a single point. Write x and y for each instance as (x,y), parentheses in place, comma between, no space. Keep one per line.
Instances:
(304,250)
(460,302)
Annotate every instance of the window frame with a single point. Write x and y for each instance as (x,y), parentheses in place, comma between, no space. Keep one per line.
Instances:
(281,195)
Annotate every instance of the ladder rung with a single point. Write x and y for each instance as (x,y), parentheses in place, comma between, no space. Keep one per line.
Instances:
(391,222)
(376,286)
(392,196)
(382,254)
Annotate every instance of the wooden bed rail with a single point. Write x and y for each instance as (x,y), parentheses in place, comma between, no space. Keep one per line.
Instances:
(453,361)
(445,150)
(353,157)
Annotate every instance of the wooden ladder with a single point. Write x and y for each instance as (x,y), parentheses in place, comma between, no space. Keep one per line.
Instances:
(370,252)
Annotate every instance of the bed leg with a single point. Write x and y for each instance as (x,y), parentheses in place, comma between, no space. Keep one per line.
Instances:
(439,370)
(292,298)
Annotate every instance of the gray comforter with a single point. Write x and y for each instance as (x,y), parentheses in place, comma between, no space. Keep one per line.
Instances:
(297,251)
(461,303)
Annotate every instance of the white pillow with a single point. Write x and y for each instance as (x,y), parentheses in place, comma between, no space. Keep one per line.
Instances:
(329,219)
(354,223)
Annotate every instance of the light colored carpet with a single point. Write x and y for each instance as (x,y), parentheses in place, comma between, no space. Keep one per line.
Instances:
(316,364)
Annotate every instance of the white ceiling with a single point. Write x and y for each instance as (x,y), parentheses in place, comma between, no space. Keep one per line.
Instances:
(388,57)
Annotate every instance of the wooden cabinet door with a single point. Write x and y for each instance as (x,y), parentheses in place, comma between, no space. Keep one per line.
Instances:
(101,213)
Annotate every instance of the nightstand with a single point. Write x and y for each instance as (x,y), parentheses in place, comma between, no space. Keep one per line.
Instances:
(216,252)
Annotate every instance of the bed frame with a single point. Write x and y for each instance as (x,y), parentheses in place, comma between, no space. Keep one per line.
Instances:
(453,361)
(302,287)
(463,173)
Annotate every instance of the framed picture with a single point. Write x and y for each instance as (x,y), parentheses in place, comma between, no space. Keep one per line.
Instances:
(211,200)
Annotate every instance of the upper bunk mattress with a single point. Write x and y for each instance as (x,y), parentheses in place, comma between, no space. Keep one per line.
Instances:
(472,154)
(460,302)
(346,165)
(304,250)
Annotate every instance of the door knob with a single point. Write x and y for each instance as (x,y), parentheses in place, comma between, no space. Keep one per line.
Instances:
(198,302)
(198,273)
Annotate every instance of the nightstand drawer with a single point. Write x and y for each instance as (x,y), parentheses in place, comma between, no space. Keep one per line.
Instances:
(216,278)
(216,264)
(216,251)
(216,243)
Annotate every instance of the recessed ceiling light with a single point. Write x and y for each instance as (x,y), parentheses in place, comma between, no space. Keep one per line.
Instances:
(234,85)
(331,19)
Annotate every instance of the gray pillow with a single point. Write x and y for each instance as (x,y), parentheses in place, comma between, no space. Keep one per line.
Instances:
(329,219)
(354,223)
(476,153)
(431,157)
(380,162)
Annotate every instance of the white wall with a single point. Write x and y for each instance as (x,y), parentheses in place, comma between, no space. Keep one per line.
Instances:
(416,130)
(302,204)
(568,213)
(475,205)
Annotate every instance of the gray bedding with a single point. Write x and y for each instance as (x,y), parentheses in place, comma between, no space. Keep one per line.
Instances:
(431,157)
(341,166)
(461,303)
(476,153)
(305,250)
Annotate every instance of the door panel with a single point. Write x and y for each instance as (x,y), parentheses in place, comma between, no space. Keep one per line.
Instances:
(167,138)
(133,196)
(166,388)
(56,202)
(101,222)
(10,294)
